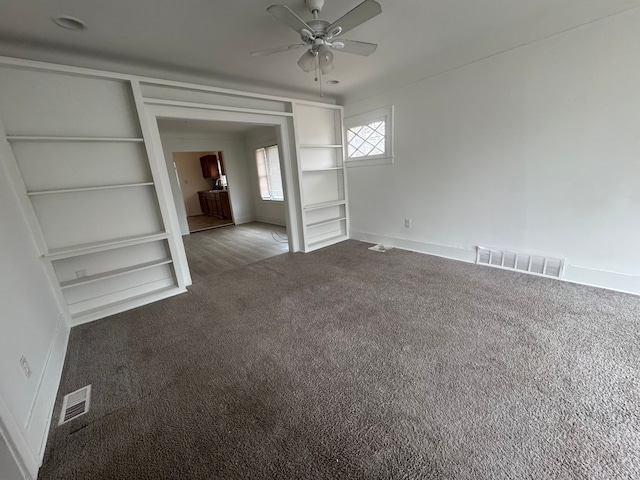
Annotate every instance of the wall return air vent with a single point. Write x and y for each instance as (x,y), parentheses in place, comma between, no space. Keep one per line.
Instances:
(520,262)
(75,404)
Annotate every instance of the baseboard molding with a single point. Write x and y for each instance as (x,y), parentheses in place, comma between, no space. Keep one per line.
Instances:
(620,282)
(244,219)
(446,251)
(270,220)
(16,440)
(39,420)
(616,281)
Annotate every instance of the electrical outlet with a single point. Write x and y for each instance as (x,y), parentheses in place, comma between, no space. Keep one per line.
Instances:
(25,366)
(81,273)
(407,223)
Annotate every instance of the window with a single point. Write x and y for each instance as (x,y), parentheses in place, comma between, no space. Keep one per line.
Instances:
(370,137)
(269,178)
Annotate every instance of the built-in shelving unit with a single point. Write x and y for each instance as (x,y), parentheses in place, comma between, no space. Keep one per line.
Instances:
(80,152)
(87,189)
(321,172)
(38,138)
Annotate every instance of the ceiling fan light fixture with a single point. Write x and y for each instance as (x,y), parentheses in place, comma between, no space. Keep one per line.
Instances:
(325,59)
(307,61)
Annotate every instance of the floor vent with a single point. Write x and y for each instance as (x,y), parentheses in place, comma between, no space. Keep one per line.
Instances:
(521,262)
(75,404)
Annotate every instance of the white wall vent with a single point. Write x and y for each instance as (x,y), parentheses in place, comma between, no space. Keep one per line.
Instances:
(521,262)
(75,404)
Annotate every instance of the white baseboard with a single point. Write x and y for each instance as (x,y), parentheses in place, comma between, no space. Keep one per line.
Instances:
(27,442)
(244,219)
(39,420)
(446,251)
(270,220)
(617,281)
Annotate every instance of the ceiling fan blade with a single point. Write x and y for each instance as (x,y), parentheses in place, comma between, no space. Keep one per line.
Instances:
(286,15)
(363,12)
(284,48)
(352,46)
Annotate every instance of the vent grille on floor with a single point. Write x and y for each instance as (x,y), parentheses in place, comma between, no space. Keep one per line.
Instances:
(75,404)
(521,262)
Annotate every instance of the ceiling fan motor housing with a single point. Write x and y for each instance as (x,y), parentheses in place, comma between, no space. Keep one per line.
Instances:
(314,5)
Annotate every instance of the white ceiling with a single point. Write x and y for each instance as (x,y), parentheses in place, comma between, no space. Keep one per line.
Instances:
(213,38)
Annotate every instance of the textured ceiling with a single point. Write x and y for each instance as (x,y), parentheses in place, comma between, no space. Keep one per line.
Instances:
(212,39)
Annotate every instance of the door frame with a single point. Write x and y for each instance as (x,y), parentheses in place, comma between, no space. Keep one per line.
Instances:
(284,134)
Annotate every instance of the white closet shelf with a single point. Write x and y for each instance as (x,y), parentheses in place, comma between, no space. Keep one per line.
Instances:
(39,138)
(326,169)
(114,273)
(326,222)
(325,205)
(324,242)
(318,145)
(84,316)
(73,251)
(88,189)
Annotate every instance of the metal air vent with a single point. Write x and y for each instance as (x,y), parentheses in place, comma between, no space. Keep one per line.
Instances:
(520,262)
(75,404)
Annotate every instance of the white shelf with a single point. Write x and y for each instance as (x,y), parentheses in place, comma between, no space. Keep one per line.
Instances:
(114,273)
(324,205)
(324,242)
(85,316)
(327,169)
(40,138)
(320,146)
(326,222)
(87,189)
(86,248)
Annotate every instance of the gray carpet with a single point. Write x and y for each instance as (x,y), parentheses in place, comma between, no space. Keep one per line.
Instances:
(350,364)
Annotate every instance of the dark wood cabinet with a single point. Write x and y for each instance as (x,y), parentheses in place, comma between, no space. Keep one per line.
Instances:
(215,203)
(209,164)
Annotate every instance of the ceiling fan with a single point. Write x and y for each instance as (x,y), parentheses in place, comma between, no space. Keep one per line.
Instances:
(321,36)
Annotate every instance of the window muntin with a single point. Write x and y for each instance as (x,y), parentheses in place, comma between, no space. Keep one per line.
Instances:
(269,176)
(369,137)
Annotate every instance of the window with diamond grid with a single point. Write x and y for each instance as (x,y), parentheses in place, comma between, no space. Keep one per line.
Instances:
(366,140)
(369,137)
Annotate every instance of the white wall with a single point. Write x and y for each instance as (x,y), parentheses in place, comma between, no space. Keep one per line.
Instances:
(264,210)
(30,325)
(536,149)
(234,155)
(191,180)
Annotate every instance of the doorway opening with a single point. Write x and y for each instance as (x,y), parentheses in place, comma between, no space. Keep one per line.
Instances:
(203,183)
(219,181)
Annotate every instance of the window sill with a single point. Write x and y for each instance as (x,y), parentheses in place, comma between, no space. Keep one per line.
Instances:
(368,162)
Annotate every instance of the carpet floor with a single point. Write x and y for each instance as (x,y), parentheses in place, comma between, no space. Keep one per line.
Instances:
(350,364)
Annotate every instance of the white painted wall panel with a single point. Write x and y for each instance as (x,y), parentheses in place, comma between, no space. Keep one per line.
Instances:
(56,165)
(44,103)
(70,219)
(535,150)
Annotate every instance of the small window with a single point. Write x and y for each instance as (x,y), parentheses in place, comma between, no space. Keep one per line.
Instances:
(370,137)
(269,177)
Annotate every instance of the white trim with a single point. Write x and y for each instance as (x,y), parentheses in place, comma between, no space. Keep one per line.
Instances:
(39,421)
(369,162)
(212,106)
(386,114)
(88,72)
(155,154)
(616,281)
(16,440)
(283,139)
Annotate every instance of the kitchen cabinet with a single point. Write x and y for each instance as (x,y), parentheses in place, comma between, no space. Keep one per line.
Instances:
(215,203)
(209,165)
